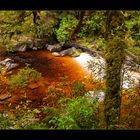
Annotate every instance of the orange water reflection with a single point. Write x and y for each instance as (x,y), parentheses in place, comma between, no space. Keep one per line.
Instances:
(57,72)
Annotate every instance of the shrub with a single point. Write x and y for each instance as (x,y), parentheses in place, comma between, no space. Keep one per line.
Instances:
(92,26)
(5,122)
(78,89)
(77,113)
(25,118)
(24,76)
(67,25)
(50,112)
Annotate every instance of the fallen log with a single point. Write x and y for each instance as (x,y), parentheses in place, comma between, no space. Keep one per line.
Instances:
(84,49)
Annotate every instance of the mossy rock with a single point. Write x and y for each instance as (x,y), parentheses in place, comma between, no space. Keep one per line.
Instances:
(76,53)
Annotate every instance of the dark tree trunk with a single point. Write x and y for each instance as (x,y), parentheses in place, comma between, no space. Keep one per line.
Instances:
(79,25)
(81,18)
(114,61)
(35,16)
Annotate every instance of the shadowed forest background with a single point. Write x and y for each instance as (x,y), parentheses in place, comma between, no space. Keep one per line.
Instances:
(69,69)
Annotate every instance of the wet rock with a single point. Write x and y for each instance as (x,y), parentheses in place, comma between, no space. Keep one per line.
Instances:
(56,54)
(22,48)
(7,60)
(68,52)
(98,95)
(35,48)
(30,47)
(10,66)
(39,47)
(5,96)
(46,46)
(76,53)
(54,48)
(90,93)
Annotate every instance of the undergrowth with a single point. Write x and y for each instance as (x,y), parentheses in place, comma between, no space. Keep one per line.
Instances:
(23,77)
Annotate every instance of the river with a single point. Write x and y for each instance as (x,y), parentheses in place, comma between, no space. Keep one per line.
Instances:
(57,72)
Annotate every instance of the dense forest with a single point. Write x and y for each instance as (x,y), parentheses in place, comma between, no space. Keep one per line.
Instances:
(42,84)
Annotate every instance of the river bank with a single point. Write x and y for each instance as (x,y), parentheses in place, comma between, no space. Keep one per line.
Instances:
(131,78)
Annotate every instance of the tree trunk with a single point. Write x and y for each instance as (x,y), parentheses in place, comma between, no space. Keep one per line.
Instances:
(79,25)
(83,16)
(114,61)
(35,16)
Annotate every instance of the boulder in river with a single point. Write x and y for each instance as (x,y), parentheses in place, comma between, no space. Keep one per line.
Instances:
(5,61)
(56,54)
(54,48)
(68,52)
(8,64)
(35,48)
(22,48)
(46,46)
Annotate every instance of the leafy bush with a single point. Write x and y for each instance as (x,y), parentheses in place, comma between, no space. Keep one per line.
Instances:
(100,44)
(5,122)
(77,113)
(10,48)
(50,112)
(67,25)
(25,118)
(64,122)
(79,89)
(91,27)
(24,76)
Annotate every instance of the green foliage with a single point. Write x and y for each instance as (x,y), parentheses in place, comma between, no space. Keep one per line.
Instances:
(78,89)
(36,126)
(100,44)
(67,25)
(43,28)
(23,77)
(12,25)
(92,26)
(77,113)
(136,52)
(5,122)
(25,118)
(10,48)
(50,112)
(133,24)
(64,122)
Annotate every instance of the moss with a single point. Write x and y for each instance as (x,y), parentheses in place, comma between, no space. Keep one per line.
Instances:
(114,60)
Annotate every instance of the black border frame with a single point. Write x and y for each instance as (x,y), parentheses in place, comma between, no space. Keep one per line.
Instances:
(70,5)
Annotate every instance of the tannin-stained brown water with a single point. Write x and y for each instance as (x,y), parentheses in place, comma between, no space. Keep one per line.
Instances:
(57,72)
